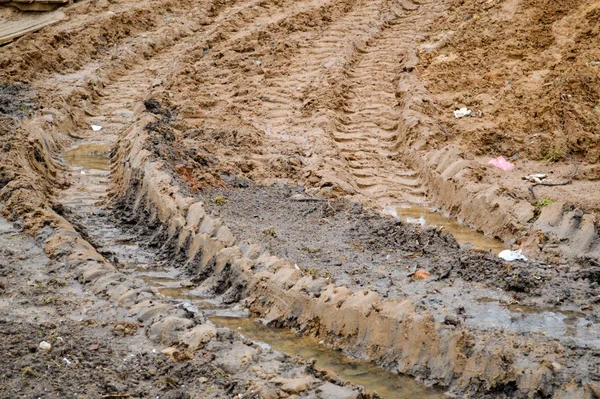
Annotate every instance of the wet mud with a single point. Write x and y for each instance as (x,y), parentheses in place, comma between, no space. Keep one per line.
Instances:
(84,201)
(360,248)
(373,378)
(438,309)
(249,146)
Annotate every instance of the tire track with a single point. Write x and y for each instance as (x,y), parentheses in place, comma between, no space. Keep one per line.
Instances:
(120,96)
(366,129)
(282,97)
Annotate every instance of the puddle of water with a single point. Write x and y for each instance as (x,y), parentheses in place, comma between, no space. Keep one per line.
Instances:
(556,323)
(464,235)
(163,280)
(387,384)
(89,156)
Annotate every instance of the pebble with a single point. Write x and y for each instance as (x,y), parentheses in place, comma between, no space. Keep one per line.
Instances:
(45,346)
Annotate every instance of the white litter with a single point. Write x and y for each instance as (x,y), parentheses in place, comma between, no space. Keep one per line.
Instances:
(83,172)
(535,178)
(510,256)
(460,113)
(96,128)
(67,361)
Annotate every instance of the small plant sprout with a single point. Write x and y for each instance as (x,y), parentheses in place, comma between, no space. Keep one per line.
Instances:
(220,200)
(554,155)
(544,202)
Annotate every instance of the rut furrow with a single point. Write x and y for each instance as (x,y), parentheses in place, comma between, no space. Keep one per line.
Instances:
(119,98)
(303,73)
(367,127)
(235,88)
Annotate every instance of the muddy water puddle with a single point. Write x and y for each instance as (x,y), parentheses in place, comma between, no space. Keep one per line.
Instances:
(375,379)
(422,216)
(555,323)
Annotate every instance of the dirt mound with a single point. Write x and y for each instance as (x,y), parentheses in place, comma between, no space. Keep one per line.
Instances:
(529,71)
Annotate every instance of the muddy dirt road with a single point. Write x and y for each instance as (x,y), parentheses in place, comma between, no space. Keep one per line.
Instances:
(169,168)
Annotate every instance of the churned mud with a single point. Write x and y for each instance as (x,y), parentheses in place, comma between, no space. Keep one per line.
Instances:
(169,168)
(96,350)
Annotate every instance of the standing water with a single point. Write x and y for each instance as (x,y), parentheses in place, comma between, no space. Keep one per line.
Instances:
(90,167)
(374,379)
(422,216)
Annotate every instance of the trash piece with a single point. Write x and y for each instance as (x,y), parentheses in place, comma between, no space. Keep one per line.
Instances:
(93,347)
(420,274)
(45,346)
(96,128)
(83,172)
(461,113)
(67,361)
(510,256)
(502,163)
(535,178)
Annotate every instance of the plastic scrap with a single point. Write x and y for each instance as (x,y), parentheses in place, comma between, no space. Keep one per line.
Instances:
(96,128)
(510,256)
(460,113)
(502,163)
(535,178)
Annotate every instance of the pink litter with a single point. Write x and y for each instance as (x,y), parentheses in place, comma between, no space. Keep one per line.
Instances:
(502,163)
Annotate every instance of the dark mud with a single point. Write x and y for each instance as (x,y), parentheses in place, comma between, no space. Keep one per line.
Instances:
(226,365)
(340,239)
(98,350)
(17,100)
(362,249)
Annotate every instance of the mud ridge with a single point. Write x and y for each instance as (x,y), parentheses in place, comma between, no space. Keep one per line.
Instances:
(392,332)
(183,332)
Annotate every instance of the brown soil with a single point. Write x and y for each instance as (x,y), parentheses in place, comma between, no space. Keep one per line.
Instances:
(530,68)
(305,118)
(99,350)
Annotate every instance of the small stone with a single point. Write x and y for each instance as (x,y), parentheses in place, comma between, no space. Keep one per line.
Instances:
(294,385)
(45,346)
(451,320)
(93,347)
